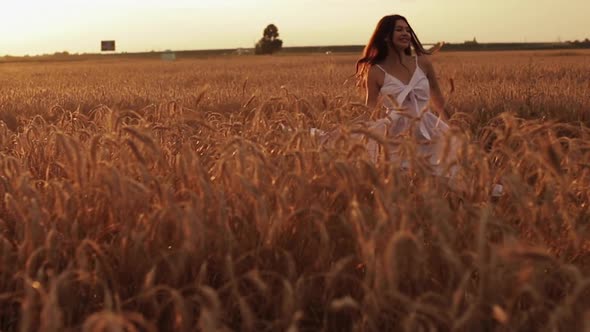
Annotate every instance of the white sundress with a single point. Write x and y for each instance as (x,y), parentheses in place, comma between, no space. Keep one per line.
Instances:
(408,113)
(407,110)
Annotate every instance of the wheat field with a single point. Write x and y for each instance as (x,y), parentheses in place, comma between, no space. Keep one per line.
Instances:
(189,196)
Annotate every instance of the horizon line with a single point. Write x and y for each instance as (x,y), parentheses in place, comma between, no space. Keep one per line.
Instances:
(99,52)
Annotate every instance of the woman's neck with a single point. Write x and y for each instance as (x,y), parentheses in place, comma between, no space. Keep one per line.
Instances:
(395,56)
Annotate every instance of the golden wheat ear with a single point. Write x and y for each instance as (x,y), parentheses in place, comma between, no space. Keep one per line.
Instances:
(436,47)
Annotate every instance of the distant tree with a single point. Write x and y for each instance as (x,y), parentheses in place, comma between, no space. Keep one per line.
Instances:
(270,42)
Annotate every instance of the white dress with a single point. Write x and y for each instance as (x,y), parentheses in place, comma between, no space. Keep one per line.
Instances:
(408,114)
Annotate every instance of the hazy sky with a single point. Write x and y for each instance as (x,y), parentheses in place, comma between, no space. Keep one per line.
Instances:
(42,26)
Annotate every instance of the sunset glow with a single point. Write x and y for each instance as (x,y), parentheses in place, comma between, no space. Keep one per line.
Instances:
(36,27)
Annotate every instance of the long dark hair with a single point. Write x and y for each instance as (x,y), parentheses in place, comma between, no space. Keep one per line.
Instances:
(376,50)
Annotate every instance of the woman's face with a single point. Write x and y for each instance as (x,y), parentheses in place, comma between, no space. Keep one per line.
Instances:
(402,36)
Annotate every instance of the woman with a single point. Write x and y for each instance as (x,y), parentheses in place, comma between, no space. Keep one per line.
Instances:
(408,86)
(389,54)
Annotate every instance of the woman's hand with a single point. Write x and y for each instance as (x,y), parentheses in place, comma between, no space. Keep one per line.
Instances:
(436,47)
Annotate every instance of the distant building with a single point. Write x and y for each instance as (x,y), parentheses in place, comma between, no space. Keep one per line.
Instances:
(243,51)
(471,42)
(168,55)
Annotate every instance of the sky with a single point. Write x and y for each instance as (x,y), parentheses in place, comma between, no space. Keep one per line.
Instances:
(77,26)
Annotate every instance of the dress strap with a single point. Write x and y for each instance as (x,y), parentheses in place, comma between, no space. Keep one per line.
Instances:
(379,66)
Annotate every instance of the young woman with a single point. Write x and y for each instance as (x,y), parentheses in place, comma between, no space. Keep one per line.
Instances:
(388,66)
(396,69)
(407,84)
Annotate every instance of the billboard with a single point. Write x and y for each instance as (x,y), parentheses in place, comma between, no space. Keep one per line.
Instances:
(107,45)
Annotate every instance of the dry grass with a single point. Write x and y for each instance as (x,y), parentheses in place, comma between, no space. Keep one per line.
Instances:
(149,196)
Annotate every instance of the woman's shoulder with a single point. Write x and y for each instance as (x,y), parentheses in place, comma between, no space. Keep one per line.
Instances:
(375,74)
(376,69)
(376,66)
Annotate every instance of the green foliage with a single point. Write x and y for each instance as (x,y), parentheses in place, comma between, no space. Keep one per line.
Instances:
(270,42)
